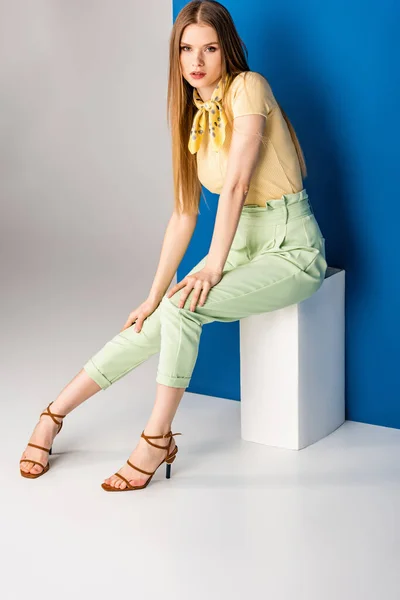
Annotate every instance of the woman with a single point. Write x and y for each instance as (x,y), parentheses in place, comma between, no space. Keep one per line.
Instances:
(231,135)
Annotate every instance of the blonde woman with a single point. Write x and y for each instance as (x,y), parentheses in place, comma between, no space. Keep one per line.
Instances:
(231,135)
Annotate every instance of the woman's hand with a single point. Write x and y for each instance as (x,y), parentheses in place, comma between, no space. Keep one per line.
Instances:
(201,282)
(140,313)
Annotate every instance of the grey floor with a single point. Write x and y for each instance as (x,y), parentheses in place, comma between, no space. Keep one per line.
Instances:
(236,519)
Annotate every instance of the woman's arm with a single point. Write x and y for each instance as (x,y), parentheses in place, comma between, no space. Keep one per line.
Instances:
(177,236)
(242,160)
(230,206)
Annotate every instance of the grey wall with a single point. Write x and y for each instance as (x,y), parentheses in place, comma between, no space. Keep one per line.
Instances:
(86,183)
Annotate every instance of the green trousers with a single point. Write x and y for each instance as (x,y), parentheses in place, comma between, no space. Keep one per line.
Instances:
(277,258)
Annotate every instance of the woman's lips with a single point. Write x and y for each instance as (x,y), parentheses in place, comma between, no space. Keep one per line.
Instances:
(195,76)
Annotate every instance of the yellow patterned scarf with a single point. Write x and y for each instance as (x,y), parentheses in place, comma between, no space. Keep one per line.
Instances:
(210,114)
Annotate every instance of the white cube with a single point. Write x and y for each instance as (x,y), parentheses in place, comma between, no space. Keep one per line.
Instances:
(292,369)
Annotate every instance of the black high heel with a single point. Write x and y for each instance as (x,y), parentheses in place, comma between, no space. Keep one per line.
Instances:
(168,466)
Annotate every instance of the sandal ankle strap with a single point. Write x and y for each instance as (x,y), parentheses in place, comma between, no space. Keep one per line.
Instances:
(52,415)
(166,435)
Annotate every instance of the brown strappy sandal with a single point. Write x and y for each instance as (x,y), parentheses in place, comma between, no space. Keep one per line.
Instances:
(169,459)
(49,450)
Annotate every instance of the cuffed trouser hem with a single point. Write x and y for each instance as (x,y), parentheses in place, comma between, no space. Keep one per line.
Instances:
(95,374)
(178,382)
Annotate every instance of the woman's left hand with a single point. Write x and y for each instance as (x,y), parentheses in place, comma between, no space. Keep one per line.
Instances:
(201,282)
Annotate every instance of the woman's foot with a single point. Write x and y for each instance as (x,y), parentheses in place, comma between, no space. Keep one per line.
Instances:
(43,435)
(144,456)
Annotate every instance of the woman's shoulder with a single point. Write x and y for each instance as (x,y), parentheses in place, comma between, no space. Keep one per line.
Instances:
(252,78)
(255,75)
(254,87)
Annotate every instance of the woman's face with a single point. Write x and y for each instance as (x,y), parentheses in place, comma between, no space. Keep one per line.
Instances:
(200,51)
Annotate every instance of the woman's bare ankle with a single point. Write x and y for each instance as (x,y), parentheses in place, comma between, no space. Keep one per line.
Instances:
(157,429)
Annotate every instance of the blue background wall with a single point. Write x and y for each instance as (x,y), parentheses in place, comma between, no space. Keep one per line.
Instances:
(334,68)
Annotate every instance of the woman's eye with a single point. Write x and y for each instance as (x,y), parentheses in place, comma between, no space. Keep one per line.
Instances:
(208,48)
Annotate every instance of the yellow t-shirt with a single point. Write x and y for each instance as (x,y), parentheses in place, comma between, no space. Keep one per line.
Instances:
(278,170)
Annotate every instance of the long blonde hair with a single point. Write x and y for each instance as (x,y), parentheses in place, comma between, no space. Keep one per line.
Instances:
(180,106)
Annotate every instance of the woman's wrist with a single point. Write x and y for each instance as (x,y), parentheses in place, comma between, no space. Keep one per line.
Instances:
(155,296)
(214,267)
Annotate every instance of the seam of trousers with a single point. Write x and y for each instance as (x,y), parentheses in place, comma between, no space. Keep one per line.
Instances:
(188,314)
(179,341)
(304,227)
